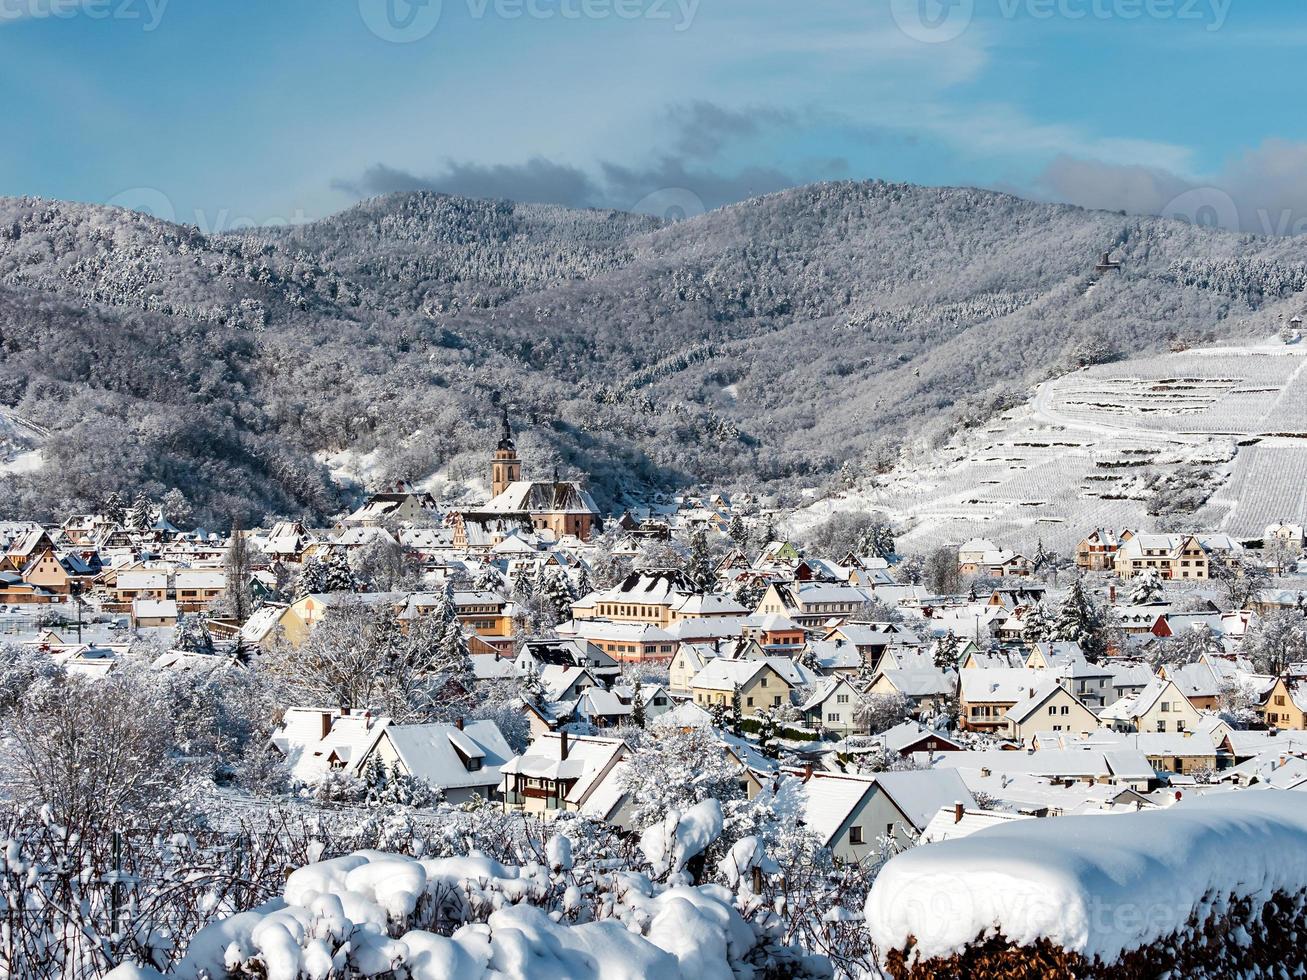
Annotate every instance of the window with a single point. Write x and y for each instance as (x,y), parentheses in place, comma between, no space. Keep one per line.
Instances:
(1166,705)
(1052,709)
(1161,726)
(776,701)
(841,699)
(750,702)
(1066,709)
(1179,725)
(832,716)
(855,835)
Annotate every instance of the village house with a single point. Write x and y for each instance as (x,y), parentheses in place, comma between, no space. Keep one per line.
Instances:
(462,760)
(757,681)
(1172,556)
(812,604)
(1096,552)
(856,816)
(1284,705)
(1049,708)
(399,505)
(986,694)
(925,687)
(627,642)
(561,772)
(658,598)
(1159,707)
(834,707)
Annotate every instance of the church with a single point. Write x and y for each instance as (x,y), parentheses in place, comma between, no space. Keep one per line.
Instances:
(559,506)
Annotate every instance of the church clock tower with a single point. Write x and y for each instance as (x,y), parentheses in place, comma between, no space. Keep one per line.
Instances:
(505,467)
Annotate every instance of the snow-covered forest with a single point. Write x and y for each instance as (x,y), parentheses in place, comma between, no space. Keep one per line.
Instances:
(794,340)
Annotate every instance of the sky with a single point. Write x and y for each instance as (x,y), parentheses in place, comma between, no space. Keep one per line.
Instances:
(228,112)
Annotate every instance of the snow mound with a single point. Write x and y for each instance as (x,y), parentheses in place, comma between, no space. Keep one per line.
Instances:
(376,914)
(1097,886)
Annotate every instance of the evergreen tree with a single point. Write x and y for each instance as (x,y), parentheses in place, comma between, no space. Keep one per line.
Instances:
(699,566)
(530,687)
(140,517)
(312,578)
(768,733)
(376,781)
(488,579)
(581,582)
(737,531)
(736,719)
(115,509)
(1036,626)
(946,652)
(1148,587)
(637,703)
(340,577)
(1080,621)
(555,593)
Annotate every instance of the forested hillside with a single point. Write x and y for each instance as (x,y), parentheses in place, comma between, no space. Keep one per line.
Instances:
(795,340)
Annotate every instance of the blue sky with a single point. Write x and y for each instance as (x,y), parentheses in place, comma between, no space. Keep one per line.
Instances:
(230,111)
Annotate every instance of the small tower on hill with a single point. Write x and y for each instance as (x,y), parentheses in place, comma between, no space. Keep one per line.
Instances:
(505,467)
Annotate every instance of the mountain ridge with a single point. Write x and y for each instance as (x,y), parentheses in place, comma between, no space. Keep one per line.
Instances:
(792,340)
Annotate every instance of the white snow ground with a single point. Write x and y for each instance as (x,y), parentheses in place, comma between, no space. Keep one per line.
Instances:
(1071,459)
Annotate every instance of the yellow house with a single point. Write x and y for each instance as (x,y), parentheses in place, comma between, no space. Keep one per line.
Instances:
(759,684)
(1052,708)
(1284,707)
(1159,707)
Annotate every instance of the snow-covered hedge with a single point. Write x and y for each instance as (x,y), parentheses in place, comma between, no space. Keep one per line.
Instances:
(1184,889)
(376,914)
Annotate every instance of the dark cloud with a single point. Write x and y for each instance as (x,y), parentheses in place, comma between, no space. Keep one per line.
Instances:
(678,183)
(538,181)
(703,129)
(1264,191)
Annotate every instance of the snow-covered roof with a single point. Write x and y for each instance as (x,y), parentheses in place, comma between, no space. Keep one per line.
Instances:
(435,753)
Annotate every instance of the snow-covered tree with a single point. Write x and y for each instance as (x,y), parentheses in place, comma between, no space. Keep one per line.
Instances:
(192,635)
(1147,587)
(946,652)
(1080,620)
(1277,640)
(237,602)
(140,516)
(312,578)
(700,565)
(737,531)
(881,712)
(340,577)
(677,769)
(637,703)
(1036,624)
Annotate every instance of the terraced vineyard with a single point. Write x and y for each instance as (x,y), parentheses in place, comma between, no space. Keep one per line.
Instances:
(1216,437)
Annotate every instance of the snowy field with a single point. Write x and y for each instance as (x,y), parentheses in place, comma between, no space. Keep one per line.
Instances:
(1080,454)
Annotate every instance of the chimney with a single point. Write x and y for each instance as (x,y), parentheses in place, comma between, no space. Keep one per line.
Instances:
(562,746)
(957,811)
(326,723)
(807,772)
(459,723)
(757,880)
(1111,594)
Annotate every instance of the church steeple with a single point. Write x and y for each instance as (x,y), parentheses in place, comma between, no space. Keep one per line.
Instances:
(505,467)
